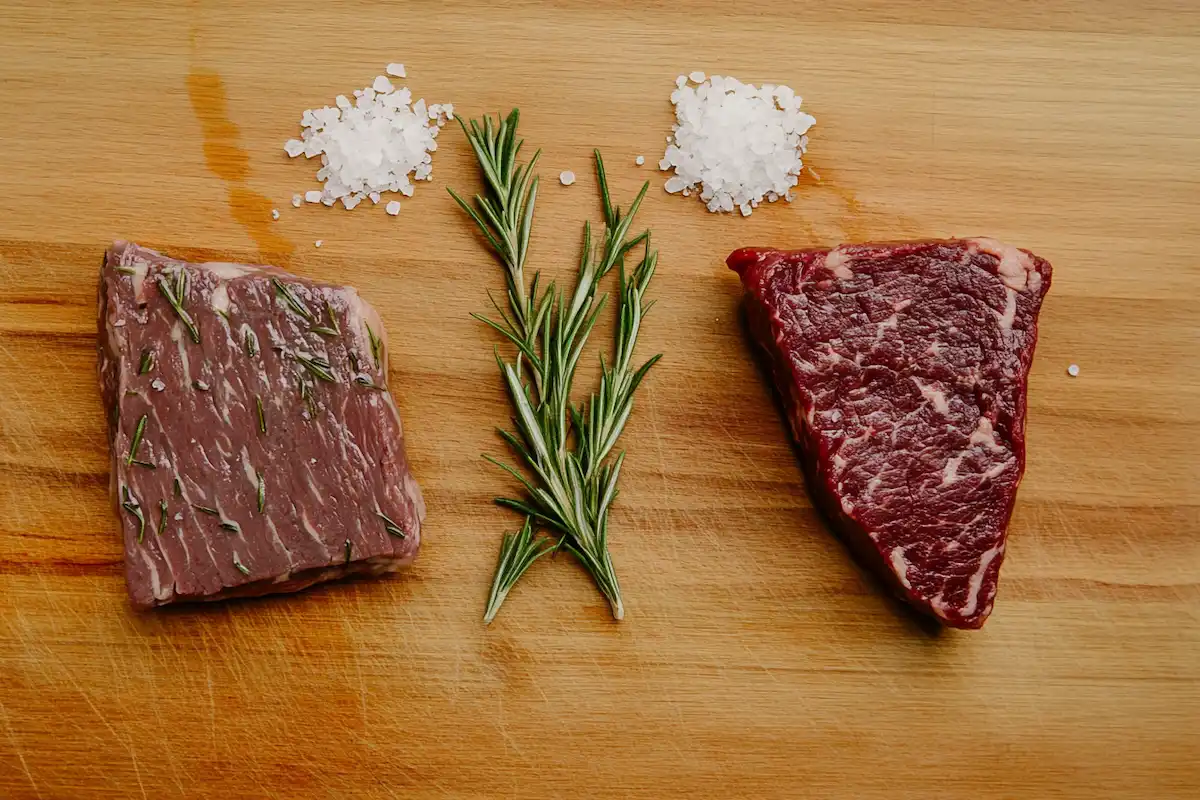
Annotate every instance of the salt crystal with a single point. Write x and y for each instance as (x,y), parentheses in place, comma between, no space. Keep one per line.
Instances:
(297,200)
(377,143)
(1073,370)
(158,384)
(178,516)
(393,207)
(735,144)
(318,242)
(640,160)
(566,177)
(274,213)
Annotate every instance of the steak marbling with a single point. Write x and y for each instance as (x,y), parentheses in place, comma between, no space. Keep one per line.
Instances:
(271,456)
(903,368)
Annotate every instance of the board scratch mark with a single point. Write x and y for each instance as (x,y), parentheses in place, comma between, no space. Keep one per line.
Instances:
(12,737)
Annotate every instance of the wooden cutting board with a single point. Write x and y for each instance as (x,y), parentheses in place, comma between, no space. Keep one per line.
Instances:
(755,660)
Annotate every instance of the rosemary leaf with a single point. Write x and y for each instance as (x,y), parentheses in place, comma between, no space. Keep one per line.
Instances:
(348,546)
(262,417)
(138,432)
(126,270)
(229,525)
(162,516)
(147,362)
(178,488)
(293,302)
(318,366)
(242,568)
(212,512)
(376,346)
(250,338)
(365,380)
(175,297)
(333,321)
(262,493)
(145,464)
(324,330)
(132,505)
(391,527)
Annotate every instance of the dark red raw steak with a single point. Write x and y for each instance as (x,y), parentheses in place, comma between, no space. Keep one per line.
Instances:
(903,368)
(255,447)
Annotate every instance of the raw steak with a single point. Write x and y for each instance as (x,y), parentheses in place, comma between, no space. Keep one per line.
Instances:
(255,446)
(903,368)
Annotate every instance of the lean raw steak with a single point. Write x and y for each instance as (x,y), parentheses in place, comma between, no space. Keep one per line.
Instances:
(903,368)
(255,446)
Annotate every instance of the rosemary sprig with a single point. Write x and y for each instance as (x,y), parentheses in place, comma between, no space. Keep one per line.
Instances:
(318,366)
(518,551)
(131,504)
(293,302)
(138,432)
(175,295)
(566,447)
(391,527)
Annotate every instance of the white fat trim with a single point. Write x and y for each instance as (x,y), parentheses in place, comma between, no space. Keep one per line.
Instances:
(227,271)
(900,566)
(838,262)
(1015,265)
(976,582)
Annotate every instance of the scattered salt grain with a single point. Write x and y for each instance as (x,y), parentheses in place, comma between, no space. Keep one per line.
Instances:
(393,207)
(318,242)
(1073,370)
(566,177)
(178,516)
(274,213)
(735,143)
(640,160)
(381,141)
(297,200)
(158,385)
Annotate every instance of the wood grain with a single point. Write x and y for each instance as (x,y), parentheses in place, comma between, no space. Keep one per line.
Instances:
(755,659)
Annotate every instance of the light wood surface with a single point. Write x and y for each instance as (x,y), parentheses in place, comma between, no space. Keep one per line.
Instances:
(755,660)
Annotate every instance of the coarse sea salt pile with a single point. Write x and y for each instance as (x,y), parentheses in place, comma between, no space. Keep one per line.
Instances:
(739,143)
(380,142)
